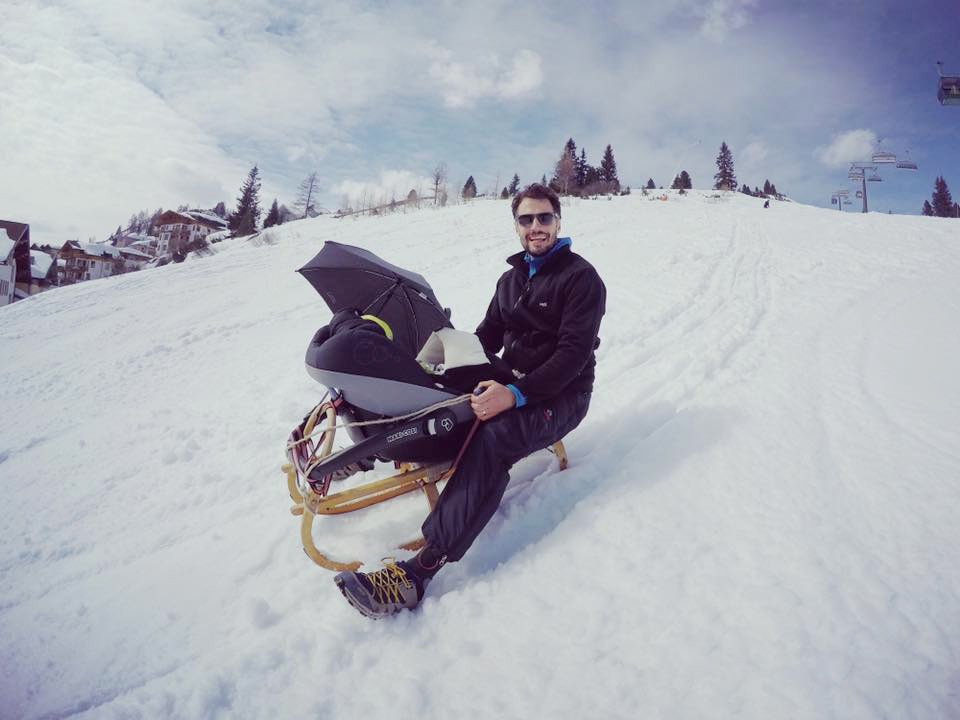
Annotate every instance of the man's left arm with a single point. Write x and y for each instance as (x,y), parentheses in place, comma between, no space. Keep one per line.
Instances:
(584,306)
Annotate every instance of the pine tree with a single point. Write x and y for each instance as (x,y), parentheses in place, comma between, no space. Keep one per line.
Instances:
(927,208)
(651,185)
(514,187)
(686,182)
(773,190)
(543,180)
(675,185)
(591,177)
(766,187)
(745,189)
(243,221)
(942,201)
(469,189)
(725,178)
(608,171)
(582,166)
(220,209)
(273,217)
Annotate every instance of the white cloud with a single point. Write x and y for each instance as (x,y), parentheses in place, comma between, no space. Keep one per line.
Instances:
(848,147)
(107,110)
(462,85)
(722,17)
(754,154)
(391,185)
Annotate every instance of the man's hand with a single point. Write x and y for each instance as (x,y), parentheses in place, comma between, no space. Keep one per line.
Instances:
(494,399)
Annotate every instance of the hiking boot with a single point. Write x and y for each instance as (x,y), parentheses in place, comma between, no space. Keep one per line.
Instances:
(384,592)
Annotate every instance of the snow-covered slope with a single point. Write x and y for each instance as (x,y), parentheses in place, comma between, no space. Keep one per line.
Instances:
(761,518)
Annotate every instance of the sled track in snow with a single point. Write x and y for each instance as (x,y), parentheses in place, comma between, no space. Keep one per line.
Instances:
(699,337)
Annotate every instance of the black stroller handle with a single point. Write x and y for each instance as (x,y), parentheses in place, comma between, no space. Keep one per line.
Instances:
(437,424)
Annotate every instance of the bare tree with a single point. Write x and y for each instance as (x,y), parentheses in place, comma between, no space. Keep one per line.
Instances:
(306,196)
(439,181)
(565,174)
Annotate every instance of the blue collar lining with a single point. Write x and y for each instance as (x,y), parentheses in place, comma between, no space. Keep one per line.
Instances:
(535,262)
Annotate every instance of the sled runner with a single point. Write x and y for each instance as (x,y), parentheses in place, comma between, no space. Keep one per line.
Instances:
(392,408)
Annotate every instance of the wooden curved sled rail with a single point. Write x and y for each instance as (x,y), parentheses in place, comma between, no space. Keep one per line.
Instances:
(309,504)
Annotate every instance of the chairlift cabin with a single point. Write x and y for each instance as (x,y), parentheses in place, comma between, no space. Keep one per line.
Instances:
(906,164)
(948,88)
(884,158)
(875,177)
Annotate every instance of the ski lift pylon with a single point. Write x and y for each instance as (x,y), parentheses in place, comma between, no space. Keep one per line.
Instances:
(948,87)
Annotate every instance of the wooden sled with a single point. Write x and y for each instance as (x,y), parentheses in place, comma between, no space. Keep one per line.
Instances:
(310,501)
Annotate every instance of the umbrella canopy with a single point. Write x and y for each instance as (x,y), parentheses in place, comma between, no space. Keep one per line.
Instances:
(351,278)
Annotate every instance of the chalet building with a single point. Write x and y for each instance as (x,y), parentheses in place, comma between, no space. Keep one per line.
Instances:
(133,258)
(146,244)
(147,247)
(179,229)
(89,261)
(14,261)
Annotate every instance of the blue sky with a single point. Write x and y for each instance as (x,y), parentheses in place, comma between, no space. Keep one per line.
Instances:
(108,108)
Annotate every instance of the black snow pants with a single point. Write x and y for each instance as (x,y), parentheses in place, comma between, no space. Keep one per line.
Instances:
(473,494)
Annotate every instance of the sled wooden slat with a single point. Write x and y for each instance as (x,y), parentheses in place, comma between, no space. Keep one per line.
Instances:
(561,452)
(371,493)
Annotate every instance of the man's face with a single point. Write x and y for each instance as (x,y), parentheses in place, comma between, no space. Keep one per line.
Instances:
(537,239)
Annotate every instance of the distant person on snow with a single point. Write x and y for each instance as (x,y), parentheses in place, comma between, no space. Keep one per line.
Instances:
(545,316)
(766,204)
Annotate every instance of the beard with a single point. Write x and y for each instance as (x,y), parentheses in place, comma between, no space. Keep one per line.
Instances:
(538,248)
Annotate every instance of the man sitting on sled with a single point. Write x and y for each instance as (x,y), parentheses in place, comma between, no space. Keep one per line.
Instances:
(545,316)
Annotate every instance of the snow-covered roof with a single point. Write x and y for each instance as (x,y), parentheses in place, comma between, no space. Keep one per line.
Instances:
(131,252)
(101,249)
(40,264)
(208,217)
(10,233)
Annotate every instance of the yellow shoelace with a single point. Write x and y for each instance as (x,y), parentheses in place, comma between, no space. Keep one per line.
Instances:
(386,583)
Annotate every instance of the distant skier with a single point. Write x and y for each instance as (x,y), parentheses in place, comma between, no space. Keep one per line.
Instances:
(545,315)
(766,203)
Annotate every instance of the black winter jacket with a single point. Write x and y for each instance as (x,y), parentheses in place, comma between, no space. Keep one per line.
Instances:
(547,325)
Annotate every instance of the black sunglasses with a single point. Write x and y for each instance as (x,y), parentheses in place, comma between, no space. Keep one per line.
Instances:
(546,219)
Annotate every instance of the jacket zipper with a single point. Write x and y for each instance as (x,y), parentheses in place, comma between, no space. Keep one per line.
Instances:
(523,294)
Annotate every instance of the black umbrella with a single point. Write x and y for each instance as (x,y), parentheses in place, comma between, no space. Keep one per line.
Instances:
(350,278)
